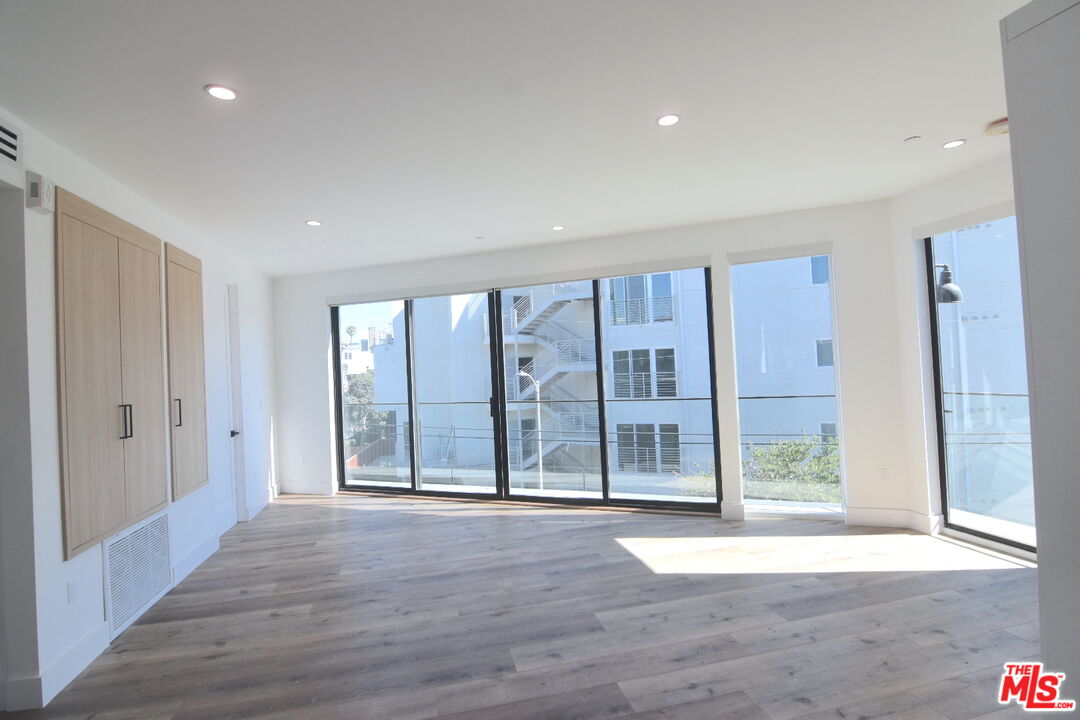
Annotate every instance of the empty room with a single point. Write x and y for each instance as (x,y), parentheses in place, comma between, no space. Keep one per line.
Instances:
(539,359)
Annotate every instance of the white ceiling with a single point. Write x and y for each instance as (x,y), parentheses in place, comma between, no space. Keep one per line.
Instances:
(410,127)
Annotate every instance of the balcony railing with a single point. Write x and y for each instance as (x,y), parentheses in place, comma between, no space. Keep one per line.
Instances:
(639,311)
(640,385)
(380,336)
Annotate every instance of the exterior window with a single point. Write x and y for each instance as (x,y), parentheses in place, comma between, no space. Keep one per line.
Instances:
(670,448)
(641,299)
(633,373)
(819,270)
(661,298)
(634,377)
(786,381)
(984,442)
(636,447)
(824,353)
(666,385)
(634,422)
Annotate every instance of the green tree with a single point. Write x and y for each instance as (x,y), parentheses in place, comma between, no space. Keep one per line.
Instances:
(365,423)
(807,468)
(350,331)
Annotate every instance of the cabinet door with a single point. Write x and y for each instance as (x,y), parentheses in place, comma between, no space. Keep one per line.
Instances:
(92,419)
(187,381)
(142,363)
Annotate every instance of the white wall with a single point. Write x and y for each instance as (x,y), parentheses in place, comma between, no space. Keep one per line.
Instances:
(880,306)
(1042,78)
(69,636)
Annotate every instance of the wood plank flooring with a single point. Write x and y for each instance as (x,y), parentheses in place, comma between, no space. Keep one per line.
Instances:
(378,607)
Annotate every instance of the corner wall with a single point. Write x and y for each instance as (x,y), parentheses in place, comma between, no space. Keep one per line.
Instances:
(879,297)
(69,635)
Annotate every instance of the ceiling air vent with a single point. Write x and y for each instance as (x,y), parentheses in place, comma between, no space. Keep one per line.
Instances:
(10,144)
(138,571)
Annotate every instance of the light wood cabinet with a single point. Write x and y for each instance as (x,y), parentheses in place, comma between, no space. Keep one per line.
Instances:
(187,374)
(111,380)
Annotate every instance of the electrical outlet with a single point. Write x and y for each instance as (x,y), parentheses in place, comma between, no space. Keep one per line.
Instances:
(71,594)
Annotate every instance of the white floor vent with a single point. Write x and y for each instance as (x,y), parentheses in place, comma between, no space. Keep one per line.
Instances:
(138,570)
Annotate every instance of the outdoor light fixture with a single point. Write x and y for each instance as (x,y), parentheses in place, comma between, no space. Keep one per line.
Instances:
(947,290)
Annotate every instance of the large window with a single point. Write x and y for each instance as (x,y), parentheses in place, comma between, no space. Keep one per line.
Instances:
(785,360)
(658,387)
(452,380)
(599,390)
(981,371)
(552,416)
(375,437)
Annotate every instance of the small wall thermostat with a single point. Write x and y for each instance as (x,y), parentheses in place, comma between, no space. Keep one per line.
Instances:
(40,193)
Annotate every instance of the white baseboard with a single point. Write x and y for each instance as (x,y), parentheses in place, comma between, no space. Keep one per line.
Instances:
(257,506)
(732,510)
(894,517)
(295,488)
(29,693)
(183,567)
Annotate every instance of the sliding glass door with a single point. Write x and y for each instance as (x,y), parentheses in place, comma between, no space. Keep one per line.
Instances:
(452,381)
(981,380)
(552,416)
(512,393)
(375,435)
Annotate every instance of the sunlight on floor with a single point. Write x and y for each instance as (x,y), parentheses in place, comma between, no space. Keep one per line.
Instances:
(894,552)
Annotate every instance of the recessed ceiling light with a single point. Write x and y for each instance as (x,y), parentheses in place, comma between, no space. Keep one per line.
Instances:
(667,120)
(954,143)
(313,223)
(557,228)
(221,92)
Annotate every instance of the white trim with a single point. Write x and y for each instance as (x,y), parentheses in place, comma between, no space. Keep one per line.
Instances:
(953,223)
(649,267)
(787,252)
(258,505)
(183,567)
(732,510)
(35,692)
(895,517)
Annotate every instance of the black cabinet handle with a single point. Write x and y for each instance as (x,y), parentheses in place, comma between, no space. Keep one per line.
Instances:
(234,433)
(131,420)
(125,411)
(179,412)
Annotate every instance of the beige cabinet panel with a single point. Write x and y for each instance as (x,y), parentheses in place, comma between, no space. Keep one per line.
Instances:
(142,363)
(91,395)
(187,380)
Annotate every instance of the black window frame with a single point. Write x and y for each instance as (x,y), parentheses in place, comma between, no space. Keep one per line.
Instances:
(498,411)
(939,407)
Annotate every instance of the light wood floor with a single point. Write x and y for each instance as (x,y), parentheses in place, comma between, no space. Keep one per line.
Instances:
(376,607)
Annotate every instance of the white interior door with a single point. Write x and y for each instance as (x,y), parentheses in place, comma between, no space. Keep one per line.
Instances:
(220,420)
